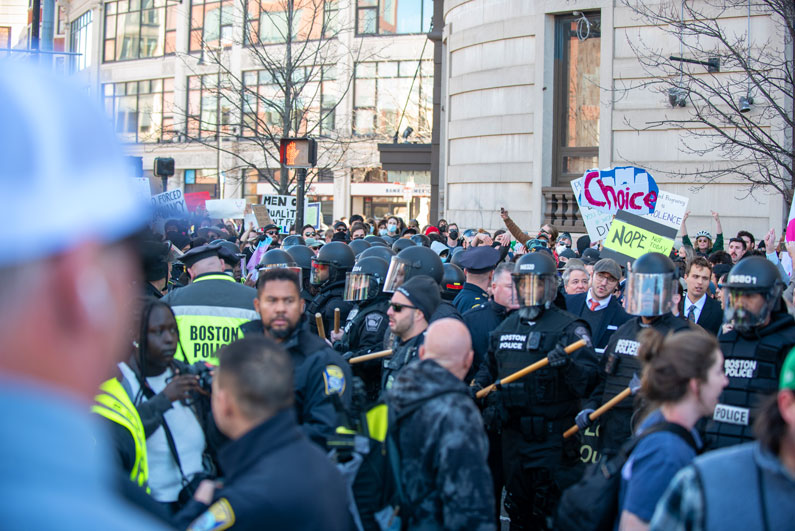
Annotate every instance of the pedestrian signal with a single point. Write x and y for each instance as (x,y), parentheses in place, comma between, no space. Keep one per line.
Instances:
(297,152)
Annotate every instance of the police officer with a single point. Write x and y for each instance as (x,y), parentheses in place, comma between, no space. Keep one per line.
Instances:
(754,350)
(478,263)
(358,246)
(410,310)
(321,376)
(535,411)
(452,281)
(381,251)
(231,258)
(292,240)
(211,308)
(649,293)
(328,275)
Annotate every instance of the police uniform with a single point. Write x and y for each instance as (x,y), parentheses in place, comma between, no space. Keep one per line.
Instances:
(325,302)
(209,310)
(403,353)
(481,321)
(477,260)
(321,376)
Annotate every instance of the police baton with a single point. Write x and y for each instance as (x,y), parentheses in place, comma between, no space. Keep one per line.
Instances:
(336,320)
(321,330)
(634,385)
(374,355)
(527,370)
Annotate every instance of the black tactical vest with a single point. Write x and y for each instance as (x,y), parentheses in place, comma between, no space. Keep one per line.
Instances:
(351,338)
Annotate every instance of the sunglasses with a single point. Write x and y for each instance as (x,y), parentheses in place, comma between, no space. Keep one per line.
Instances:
(342,229)
(272,232)
(309,234)
(399,307)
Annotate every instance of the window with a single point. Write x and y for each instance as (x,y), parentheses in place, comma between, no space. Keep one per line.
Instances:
(211,24)
(252,177)
(576,103)
(202,181)
(137,29)
(80,41)
(388,17)
(207,97)
(5,36)
(141,110)
(382,90)
(269,22)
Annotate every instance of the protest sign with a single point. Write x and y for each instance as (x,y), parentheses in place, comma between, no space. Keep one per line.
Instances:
(142,188)
(670,209)
(225,208)
(790,237)
(633,236)
(196,200)
(597,223)
(261,215)
(169,205)
(312,215)
(623,188)
(282,210)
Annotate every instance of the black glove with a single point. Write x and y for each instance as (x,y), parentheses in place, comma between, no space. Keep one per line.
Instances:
(348,355)
(558,357)
(582,419)
(494,415)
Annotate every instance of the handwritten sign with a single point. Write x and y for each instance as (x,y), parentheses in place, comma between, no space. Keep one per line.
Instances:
(597,223)
(670,209)
(225,208)
(312,215)
(169,205)
(632,236)
(261,216)
(623,188)
(282,210)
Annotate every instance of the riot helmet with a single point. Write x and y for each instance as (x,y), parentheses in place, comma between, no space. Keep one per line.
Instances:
(650,286)
(456,256)
(365,280)
(421,239)
(452,281)
(380,251)
(751,292)
(357,246)
(402,243)
(292,240)
(278,258)
(411,262)
(536,278)
(303,258)
(372,239)
(331,263)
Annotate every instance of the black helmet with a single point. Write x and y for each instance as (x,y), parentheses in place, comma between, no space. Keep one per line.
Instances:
(456,256)
(372,239)
(402,243)
(452,281)
(421,239)
(752,275)
(302,255)
(278,258)
(358,246)
(366,279)
(650,285)
(331,263)
(378,250)
(411,262)
(291,240)
(536,279)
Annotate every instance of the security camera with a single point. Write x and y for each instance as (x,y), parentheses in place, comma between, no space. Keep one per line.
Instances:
(677,96)
(746,102)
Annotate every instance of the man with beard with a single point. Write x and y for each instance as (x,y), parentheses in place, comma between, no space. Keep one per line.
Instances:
(321,376)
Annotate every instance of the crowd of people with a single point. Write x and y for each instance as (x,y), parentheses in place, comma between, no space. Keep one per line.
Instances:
(377,374)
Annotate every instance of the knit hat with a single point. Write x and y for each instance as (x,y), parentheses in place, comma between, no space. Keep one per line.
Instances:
(423,292)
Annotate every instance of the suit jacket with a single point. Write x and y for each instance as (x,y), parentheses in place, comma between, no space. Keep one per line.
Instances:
(711,315)
(614,317)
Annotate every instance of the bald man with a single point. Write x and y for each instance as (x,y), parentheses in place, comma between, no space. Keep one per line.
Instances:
(440,435)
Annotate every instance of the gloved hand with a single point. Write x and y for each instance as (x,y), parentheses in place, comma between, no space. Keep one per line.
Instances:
(558,357)
(582,419)
(494,415)
(348,355)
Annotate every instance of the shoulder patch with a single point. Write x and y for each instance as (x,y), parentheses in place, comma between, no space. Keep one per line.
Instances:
(218,517)
(333,380)
(373,321)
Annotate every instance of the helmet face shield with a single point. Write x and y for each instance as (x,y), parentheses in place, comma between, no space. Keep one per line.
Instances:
(398,271)
(357,286)
(535,290)
(294,269)
(746,309)
(319,273)
(649,294)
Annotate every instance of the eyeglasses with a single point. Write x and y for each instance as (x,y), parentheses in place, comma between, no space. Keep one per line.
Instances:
(309,234)
(272,232)
(399,307)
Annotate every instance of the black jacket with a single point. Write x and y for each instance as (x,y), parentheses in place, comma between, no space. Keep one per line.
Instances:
(320,375)
(602,324)
(711,317)
(469,297)
(275,479)
(329,298)
(481,321)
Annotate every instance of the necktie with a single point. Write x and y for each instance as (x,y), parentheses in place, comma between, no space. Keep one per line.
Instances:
(691,313)
(594,305)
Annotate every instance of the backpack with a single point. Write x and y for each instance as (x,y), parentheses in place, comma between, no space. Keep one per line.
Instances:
(592,502)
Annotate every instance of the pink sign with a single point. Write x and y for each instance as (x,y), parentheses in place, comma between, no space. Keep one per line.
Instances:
(624,188)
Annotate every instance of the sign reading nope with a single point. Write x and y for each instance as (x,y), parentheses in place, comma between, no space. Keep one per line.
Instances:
(623,188)
(632,236)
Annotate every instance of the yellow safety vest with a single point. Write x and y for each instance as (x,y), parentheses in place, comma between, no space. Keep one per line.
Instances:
(114,404)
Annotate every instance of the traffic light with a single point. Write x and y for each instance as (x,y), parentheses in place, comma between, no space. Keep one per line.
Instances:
(297,152)
(164,166)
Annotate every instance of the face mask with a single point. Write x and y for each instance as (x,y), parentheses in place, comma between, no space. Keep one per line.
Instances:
(391,227)
(560,248)
(382,232)
(453,234)
(442,228)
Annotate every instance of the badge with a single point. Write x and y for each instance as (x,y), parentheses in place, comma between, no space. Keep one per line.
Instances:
(218,517)
(334,380)
(373,321)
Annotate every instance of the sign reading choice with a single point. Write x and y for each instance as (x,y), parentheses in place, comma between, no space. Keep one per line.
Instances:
(632,236)
(623,188)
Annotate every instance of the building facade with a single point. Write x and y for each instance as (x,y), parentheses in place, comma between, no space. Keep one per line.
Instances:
(534,92)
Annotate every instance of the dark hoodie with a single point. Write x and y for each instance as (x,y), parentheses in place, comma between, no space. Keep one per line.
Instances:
(443,449)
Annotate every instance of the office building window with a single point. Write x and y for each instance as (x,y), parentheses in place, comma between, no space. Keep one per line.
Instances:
(390,17)
(5,36)
(80,41)
(137,29)
(211,24)
(381,92)
(142,110)
(269,22)
(208,97)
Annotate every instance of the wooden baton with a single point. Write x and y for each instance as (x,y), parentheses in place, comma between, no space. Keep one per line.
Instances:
(371,356)
(601,411)
(321,330)
(336,320)
(527,370)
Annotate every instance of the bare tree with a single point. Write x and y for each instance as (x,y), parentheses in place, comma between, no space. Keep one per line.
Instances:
(735,87)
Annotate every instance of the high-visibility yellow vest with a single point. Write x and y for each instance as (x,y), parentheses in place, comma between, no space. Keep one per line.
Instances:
(114,404)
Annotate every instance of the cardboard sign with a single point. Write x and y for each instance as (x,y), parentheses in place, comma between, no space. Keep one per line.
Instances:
(282,210)
(225,208)
(169,205)
(196,200)
(597,223)
(633,236)
(261,216)
(623,188)
(670,209)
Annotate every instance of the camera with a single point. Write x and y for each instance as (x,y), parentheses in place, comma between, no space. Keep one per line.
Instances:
(204,372)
